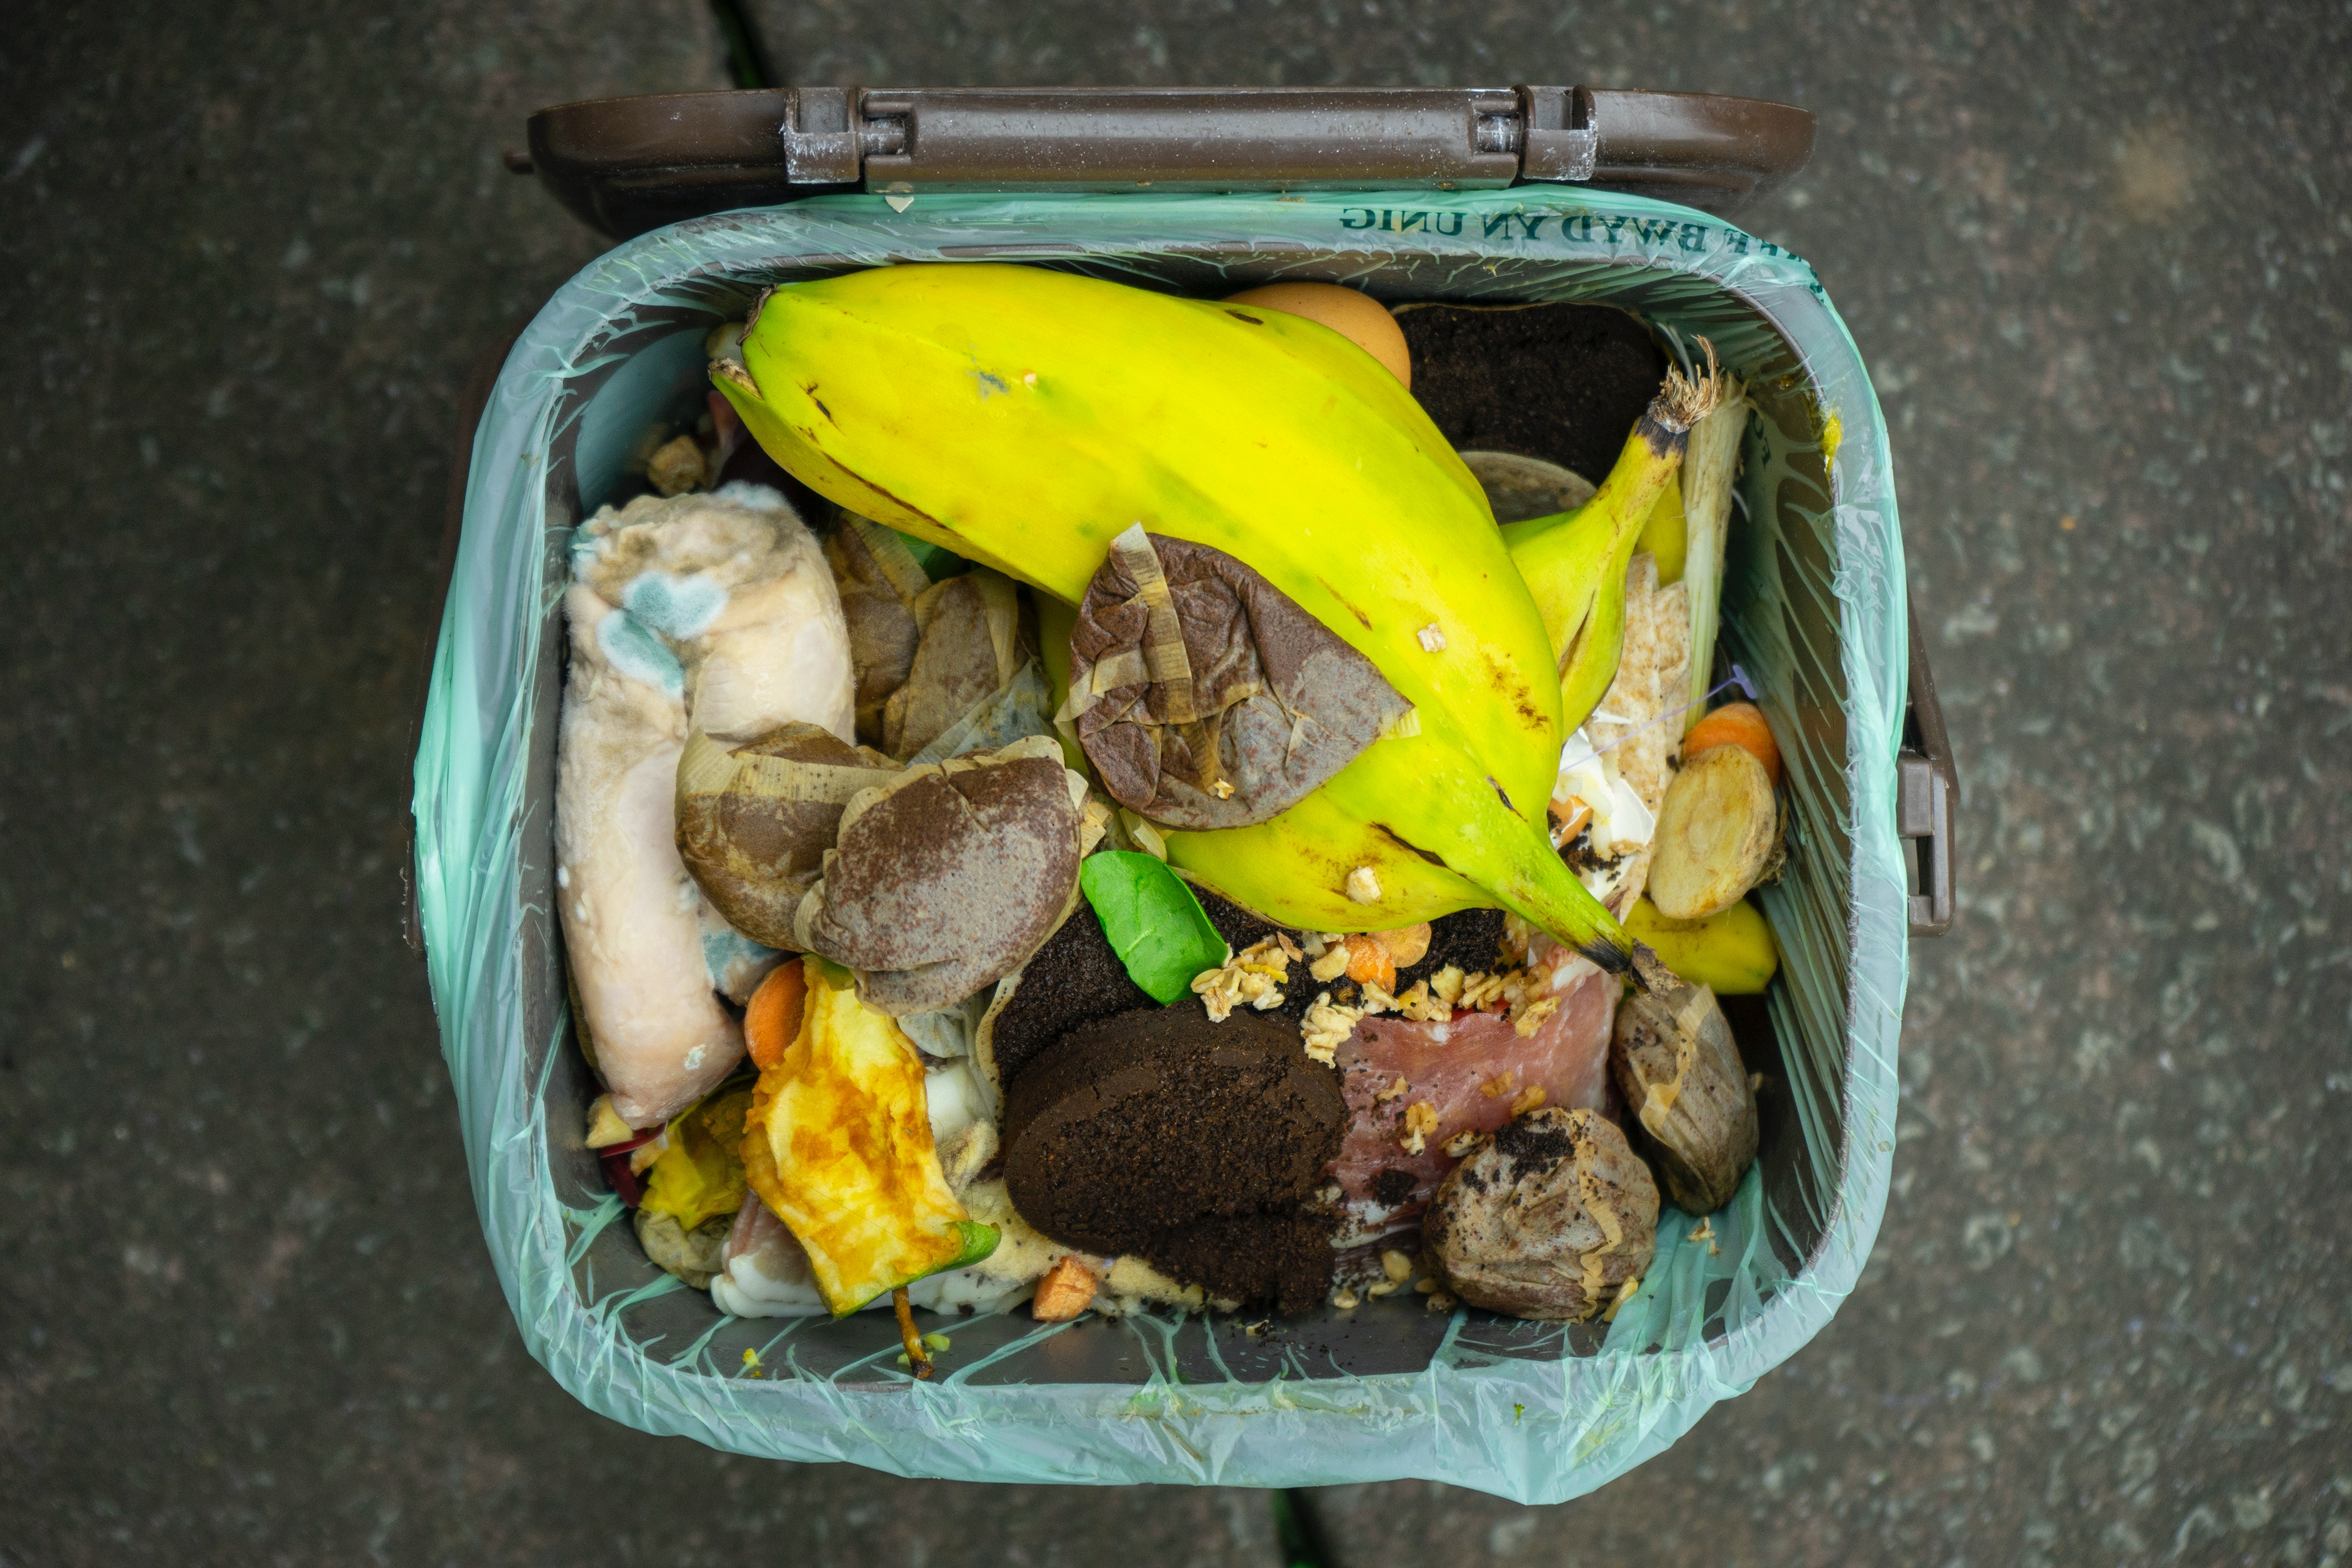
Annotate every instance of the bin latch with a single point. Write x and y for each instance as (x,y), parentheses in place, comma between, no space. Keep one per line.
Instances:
(1927,790)
(828,135)
(1559,141)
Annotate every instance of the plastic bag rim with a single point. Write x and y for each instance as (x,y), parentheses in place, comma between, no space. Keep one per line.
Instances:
(576,1342)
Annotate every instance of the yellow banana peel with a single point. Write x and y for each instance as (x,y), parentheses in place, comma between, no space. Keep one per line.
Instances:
(1006,413)
(1731,952)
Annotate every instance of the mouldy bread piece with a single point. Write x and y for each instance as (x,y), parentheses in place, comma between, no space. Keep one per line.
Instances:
(948,878)
(631,934)
(1550,1218)
(1675,1063)
(753,822)
(739,593)
(717,607)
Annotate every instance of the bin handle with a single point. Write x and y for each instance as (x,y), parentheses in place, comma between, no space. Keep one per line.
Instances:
(629,164)
(1926,787)
(1701,147)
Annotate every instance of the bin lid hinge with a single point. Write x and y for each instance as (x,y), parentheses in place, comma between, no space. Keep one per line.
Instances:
(828,134)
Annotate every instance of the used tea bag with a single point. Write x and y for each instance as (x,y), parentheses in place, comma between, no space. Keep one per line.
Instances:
(1206,697)
(754,823)
(880,581)
(945,877)
(970,647)
(1023,707)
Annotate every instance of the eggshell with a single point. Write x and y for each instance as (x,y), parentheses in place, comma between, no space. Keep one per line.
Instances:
(1355,316)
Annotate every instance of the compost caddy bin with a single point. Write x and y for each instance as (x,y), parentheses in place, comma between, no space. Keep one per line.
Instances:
(1503,196)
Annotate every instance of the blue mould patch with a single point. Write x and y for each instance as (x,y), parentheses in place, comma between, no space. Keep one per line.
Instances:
(637,654)
(678,607)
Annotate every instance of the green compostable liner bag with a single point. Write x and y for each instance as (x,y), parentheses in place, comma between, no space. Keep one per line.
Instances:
(1813,613)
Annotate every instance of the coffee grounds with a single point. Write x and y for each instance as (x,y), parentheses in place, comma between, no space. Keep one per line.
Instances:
(1076,979)
(1562,382)
(1471,940)
(1073,980)
(1197,1146)
(1393,1186)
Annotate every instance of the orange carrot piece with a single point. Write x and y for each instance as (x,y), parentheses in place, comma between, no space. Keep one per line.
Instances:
(1571,814)
(1368,961)
(1067,1290)
(1736,724)
(773,1021)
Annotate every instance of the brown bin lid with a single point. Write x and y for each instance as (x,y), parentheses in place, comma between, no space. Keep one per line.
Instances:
(625,165)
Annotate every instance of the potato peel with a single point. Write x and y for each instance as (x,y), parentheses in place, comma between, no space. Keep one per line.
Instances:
(1714,834)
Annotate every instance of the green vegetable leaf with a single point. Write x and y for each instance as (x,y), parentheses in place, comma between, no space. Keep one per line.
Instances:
(937,564)
(1155,924)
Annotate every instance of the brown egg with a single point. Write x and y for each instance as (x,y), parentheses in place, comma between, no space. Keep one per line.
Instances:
(1358,317)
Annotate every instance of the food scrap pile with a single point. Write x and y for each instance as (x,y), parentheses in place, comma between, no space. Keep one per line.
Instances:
(1164,827)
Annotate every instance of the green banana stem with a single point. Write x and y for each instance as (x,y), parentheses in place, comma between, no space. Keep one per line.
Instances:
(1574,562)
(1433,832)
(1533,882)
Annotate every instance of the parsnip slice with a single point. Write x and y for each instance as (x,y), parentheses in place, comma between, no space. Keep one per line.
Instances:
(1714,834)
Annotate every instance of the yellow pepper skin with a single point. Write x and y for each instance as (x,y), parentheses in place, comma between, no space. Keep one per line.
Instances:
(700,1175)
(838,1145)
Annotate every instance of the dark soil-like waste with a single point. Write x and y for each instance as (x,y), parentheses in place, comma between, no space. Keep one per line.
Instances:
(1198,1146)
(1562,382)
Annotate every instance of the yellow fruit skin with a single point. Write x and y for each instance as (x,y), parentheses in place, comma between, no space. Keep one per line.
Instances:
(1293,869)
(1024,418)
(1357,317)
(1574,564)
(1731,952)
(1577,580)
(1665,534)
(838,1145)
(1436,839)
(1006,413)
(700,1175)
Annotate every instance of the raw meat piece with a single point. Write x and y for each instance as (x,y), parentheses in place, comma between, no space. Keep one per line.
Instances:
(1449,1065)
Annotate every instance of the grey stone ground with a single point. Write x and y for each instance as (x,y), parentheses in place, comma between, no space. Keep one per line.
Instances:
(2096,256)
